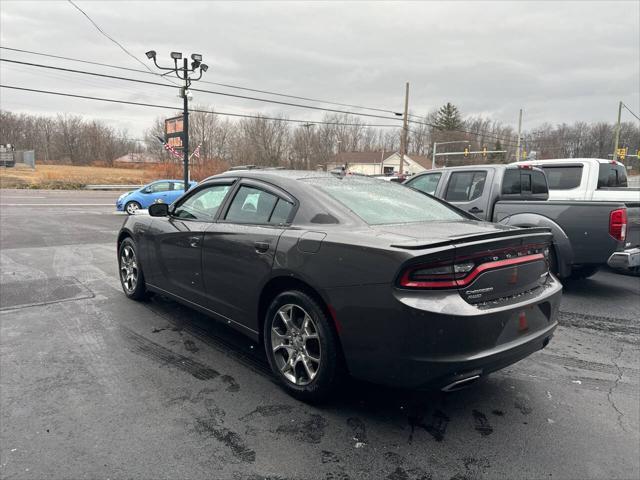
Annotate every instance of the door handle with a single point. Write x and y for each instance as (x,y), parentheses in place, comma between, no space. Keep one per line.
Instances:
(476,210)
(194,242)
(262,247)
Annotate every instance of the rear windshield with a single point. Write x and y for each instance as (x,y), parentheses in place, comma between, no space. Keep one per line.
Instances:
(612,175)
(563,178)
(379,203)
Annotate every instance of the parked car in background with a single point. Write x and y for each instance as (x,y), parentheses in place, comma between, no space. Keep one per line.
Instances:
(339,274)
(586,234)
(160,191)
(597,179)
(391,178)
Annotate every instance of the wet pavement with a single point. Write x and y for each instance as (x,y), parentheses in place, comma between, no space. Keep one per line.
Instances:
(93,385)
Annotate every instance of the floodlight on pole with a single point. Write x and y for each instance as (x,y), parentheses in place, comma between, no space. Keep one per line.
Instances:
(183,73)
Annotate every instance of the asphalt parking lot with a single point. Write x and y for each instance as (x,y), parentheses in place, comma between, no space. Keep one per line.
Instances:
(93,385)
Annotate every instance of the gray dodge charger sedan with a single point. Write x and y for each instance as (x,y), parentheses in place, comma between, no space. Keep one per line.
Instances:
(339,275)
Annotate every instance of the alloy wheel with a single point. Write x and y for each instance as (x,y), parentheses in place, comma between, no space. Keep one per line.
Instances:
(132,208)
(129,268)
(295,342)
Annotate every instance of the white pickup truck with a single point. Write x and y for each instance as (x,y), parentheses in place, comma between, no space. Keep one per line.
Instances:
(596,180)
(586,179)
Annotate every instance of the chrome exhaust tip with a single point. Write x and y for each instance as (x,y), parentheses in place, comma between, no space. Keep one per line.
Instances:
(460,384)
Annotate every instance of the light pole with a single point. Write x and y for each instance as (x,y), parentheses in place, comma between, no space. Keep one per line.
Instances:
(435,145)
(183,74)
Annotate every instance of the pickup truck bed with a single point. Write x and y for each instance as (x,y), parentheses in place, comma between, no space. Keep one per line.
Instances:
(582,230)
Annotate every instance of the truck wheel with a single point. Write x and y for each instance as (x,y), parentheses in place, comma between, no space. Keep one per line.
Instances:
(580,273)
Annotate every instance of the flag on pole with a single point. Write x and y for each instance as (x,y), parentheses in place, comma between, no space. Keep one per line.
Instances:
(196,152)
(169,148)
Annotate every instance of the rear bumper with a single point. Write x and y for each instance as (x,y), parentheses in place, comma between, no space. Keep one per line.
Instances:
(446,372)
(626,259)
(429,340)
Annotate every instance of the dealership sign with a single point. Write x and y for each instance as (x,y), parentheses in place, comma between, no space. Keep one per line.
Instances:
(173,128)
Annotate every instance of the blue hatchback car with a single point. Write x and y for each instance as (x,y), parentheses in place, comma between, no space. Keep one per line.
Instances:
(160,191)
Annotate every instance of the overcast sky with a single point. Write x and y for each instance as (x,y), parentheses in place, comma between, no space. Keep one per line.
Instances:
(559,61)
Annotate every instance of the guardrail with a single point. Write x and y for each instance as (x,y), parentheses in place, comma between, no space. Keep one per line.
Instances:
(111,187)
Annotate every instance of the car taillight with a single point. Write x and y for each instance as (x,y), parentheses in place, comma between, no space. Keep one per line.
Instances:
(439,275)
(460,273)
(618,224)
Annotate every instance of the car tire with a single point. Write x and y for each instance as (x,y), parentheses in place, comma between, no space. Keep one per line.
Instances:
(305,357)
(130,271)
(580,273)
(132,207)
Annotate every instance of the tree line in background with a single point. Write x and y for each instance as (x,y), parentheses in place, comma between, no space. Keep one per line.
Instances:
(259,141)
(64,138)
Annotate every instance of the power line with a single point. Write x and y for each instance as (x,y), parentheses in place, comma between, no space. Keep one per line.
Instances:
(113,39)
(147,82)
(83,72)
(228,114)
(213,92)
(227,85)
(629,110)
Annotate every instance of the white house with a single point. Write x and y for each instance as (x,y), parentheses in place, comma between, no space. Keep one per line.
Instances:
(378,163)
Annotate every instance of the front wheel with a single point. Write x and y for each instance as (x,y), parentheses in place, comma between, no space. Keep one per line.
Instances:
(132,207)
(131,275)
(301,346)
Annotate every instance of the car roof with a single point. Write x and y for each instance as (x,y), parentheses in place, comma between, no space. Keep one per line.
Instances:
(283,178)
(171,180)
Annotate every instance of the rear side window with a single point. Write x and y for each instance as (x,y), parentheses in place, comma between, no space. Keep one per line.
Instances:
(281,212)
(465,186)
(563,178)
(612,175)
(511,182)
(539,182)
(252,205)
(517,182)
(426,183)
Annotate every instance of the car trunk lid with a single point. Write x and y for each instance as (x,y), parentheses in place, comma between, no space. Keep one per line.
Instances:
(486,264)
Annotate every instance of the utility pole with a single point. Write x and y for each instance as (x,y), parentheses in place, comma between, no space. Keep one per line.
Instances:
(403,138)
(519,134)
(307,160)
(617,137)
(183,74)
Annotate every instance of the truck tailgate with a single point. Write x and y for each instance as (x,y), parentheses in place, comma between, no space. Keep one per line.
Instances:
(633,225)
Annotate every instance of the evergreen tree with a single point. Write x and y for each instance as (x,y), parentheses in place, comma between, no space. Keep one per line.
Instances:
(448,118)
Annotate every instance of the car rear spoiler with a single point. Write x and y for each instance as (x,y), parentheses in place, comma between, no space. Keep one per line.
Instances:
(511,233)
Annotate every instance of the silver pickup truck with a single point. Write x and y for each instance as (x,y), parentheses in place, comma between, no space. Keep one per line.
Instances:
(586,234)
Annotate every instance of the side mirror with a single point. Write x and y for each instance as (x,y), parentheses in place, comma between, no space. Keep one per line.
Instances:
(159,210)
